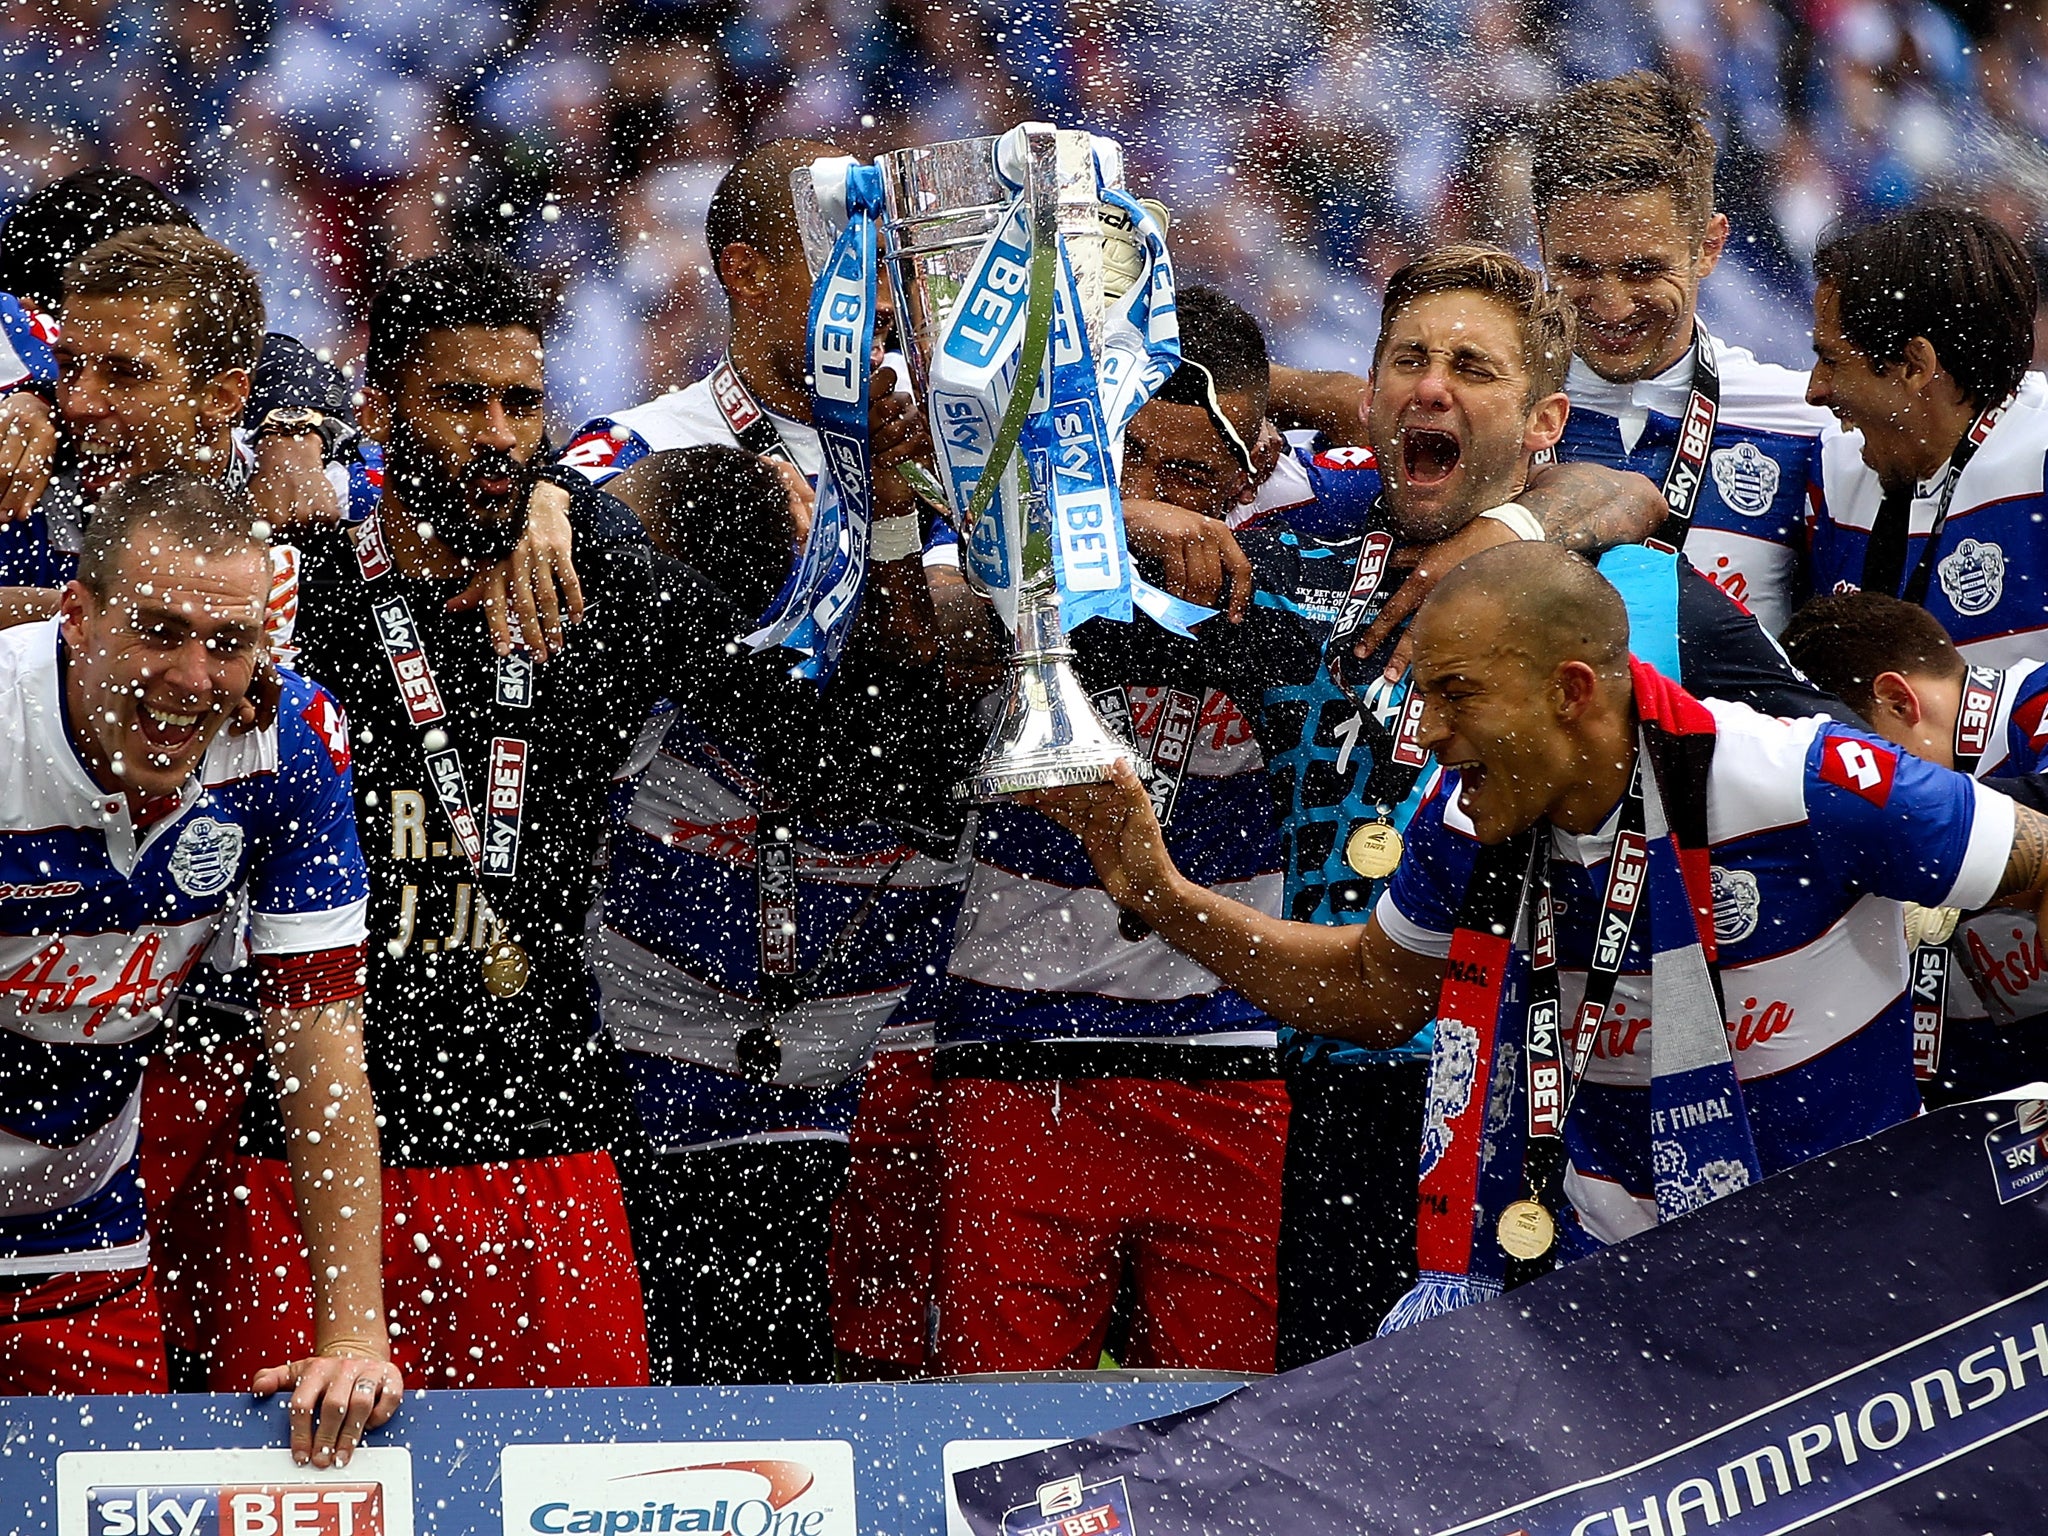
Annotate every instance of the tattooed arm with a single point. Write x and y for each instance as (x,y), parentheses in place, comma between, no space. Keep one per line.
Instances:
(1590,509)
(2026,867)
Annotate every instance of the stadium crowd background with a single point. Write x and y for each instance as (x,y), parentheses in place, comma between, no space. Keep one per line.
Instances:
(1305,145)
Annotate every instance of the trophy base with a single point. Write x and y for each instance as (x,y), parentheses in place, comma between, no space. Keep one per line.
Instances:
(992,780)
(1047,733)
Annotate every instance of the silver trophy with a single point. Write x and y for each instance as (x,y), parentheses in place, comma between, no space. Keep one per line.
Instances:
(943,201)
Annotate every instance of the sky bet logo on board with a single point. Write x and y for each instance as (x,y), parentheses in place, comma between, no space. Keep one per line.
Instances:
(339,1509)
(232,1493)
(733,1488)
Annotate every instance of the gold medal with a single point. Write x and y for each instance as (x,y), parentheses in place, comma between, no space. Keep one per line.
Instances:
(1373,849)
(506,969)
(1526,1230)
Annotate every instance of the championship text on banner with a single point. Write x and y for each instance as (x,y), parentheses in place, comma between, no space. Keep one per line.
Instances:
(1859,1345)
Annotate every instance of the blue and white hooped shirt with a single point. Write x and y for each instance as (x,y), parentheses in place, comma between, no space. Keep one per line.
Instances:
(1818,831)
(100,921)
(1749,529)
(677,948)
(1989,585)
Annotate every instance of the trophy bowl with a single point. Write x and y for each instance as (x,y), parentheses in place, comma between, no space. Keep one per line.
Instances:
(942,202)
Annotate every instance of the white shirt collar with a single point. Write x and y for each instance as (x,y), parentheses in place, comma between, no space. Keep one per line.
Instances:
(72,786)
(1666,393)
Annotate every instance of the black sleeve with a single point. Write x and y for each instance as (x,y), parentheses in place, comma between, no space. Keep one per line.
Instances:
(1725,654)
(290,375)
(2030,789)
(596,517)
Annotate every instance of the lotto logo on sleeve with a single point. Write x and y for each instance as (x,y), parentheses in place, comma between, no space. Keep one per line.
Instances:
(2032,717)
(332,1509)
(1346,458)
(1862,767)
(329,726)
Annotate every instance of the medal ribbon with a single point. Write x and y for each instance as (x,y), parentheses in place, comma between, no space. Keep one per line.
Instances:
(813,614)
(1162,764)
(744,418)
(1395,745)
(1915,590)
(1552,1087)
(1687,472)
(1975,710)
(783,986)
(492,845)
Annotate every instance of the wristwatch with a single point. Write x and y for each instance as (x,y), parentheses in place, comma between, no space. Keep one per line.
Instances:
(293,420)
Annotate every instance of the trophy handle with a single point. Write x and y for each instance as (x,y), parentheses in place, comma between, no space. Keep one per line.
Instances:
(811,227)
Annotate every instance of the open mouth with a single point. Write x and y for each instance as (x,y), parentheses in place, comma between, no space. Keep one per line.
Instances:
(1471,780)
(1622,336)
(493,480)
(1428,457)
(167,733)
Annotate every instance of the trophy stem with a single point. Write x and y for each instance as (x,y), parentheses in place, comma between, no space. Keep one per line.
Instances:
(1048,733)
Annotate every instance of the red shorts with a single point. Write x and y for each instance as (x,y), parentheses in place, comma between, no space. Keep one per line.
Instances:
(191,1107)
(1049,1189)
(93,1333)
(885,1229)
(515,1274)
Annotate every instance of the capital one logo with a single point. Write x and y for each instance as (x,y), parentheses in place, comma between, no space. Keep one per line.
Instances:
(757,1488)
(1861,767)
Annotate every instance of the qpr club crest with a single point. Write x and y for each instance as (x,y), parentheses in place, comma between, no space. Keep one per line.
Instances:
(1746,477)
(207,857)
(1735,905)
(1974,577)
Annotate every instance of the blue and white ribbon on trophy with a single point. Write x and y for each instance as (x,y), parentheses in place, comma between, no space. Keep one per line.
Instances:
(1067,447)
(1072,438)
(1141,348)
(814,613)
